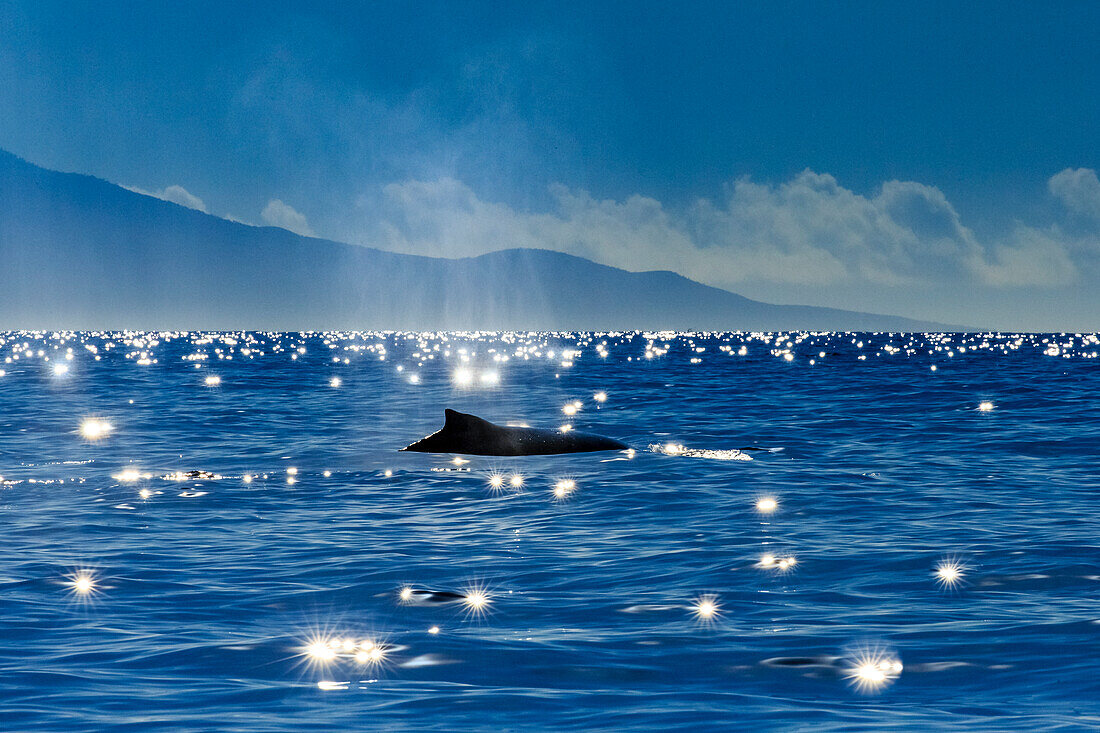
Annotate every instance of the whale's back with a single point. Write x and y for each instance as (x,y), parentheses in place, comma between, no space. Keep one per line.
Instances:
(472,435)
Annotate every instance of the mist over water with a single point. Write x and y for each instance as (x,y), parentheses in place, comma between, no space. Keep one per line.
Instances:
(215,531)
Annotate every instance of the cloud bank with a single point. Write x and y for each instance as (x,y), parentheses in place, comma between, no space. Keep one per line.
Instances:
(807,231)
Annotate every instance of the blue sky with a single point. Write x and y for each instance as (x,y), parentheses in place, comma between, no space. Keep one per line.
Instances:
(925,159)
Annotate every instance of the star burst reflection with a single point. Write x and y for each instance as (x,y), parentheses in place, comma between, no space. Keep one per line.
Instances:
(83,585)
(871,670)
(476,600)
(706,609)
(949,573)
(323,651)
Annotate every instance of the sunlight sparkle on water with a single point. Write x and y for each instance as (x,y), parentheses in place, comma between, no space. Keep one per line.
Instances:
(95,429)
(949,574)
(516,480)
(320,651)
(706,608)
(335,382)
(128,475)
(82,583)
(871,670)
(476,600)
(213,380)
(767,505)
(769,561)
(985,406)
(563,488)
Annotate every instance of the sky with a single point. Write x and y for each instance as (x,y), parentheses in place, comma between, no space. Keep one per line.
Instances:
(935,160)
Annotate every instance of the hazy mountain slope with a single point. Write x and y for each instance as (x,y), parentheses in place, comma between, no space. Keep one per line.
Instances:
(78,252)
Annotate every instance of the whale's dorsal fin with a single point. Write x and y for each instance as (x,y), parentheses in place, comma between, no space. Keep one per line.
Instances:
(455,420)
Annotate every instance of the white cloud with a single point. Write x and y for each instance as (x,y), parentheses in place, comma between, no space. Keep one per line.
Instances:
(1031,257)
(279,214)
(237,220)
(1079,190)
(183,197)
(807,231)
(175,194)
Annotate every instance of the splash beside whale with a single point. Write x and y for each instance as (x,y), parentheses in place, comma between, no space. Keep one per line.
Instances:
(471,435)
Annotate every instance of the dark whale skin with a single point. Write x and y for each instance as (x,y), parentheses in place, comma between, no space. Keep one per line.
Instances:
(471,435)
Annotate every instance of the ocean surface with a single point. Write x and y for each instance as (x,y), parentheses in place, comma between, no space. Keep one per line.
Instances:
(814,531)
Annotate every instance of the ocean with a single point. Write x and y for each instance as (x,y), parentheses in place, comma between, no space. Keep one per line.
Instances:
(826,531)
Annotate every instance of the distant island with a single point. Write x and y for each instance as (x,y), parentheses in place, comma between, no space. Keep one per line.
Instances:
(77,252)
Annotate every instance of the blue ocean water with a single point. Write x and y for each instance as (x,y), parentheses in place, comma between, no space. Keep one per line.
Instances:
(929,557)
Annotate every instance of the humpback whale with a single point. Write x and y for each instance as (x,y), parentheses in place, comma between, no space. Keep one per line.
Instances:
(471,435)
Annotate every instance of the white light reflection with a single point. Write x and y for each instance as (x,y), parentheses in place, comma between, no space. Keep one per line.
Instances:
(563,488)
(782,564)
(128,475)
(870,670)
(949,573)
(95,429)
(767,505)
(323,652)
(476,600)
(706,609)
(83,585)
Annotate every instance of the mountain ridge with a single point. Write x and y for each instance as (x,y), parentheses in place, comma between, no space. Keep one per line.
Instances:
(80,252)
